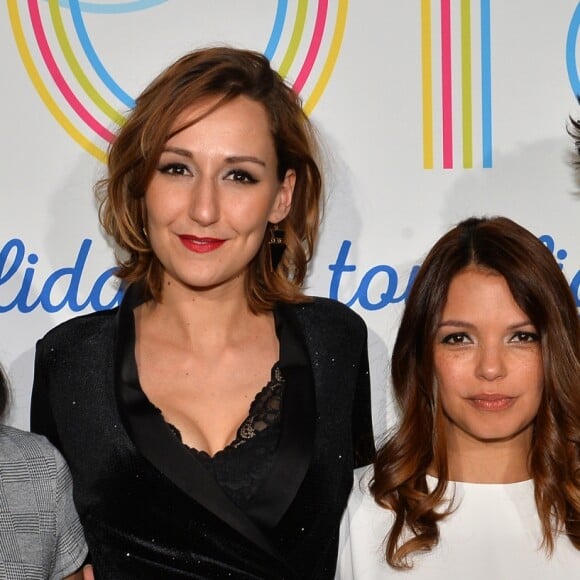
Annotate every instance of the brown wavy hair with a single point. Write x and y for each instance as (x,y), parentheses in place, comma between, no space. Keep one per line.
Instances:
(418,441)
(222,73)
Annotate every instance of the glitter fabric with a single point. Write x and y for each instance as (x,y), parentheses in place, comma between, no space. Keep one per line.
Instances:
(150,510)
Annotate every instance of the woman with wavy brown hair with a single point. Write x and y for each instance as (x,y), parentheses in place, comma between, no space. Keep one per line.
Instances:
(480,478)
(212,422)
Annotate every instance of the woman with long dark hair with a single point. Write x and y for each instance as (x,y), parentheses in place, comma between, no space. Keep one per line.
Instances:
(480,478)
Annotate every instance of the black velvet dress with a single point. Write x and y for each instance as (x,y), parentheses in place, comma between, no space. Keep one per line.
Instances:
(153,509)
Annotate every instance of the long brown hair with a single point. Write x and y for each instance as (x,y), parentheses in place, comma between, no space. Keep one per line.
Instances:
(222,73)
(418,442)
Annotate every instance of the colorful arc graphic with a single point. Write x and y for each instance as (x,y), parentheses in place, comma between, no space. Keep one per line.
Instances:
(84,107)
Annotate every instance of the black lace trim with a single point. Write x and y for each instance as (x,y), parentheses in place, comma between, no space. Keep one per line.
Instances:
(265,411)
(241,467)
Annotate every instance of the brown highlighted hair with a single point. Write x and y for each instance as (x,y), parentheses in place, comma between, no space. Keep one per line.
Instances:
(418,442)
(222,74)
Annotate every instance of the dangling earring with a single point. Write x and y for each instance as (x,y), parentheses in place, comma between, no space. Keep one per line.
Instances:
(144,230)
(276,245)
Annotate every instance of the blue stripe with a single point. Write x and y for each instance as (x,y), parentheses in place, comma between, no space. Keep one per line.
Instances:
(120,8)
(277,29)
(486,128)
(571,52)
(96,63)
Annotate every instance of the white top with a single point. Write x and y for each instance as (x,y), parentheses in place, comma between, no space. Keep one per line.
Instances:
(494,534)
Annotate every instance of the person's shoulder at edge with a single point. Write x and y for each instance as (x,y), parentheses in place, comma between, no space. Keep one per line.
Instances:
(13,440)
(363,511)
(17,445)
(360,487)
(362,532)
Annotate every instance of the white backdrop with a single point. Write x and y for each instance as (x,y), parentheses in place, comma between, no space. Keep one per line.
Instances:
(430,111)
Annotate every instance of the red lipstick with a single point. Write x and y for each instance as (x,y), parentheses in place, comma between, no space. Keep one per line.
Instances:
(201,245)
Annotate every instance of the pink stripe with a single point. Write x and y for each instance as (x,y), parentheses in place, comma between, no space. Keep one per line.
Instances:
(314,46)
(446,84)
(59,79)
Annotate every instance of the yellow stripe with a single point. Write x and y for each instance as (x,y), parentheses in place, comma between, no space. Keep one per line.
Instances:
(331,59)
(466,89)
(295,38)
(427,79)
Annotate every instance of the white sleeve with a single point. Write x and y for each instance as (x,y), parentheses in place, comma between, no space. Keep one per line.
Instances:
(364,527)
(344,569)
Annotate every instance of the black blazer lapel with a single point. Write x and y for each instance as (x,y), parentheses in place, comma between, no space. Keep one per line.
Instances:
(298,423)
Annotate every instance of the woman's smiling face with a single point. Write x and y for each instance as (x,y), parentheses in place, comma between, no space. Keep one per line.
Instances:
(488,361)
(213,194)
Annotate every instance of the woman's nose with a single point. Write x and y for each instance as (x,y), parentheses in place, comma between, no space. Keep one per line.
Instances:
(491,363)
(204,203)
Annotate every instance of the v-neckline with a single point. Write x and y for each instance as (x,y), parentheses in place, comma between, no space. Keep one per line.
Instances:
(153,439)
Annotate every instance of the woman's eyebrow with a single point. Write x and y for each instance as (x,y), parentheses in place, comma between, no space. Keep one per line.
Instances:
(229,159)
(243,158)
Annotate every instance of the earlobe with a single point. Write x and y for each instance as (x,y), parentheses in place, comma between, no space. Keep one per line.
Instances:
(284,197)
